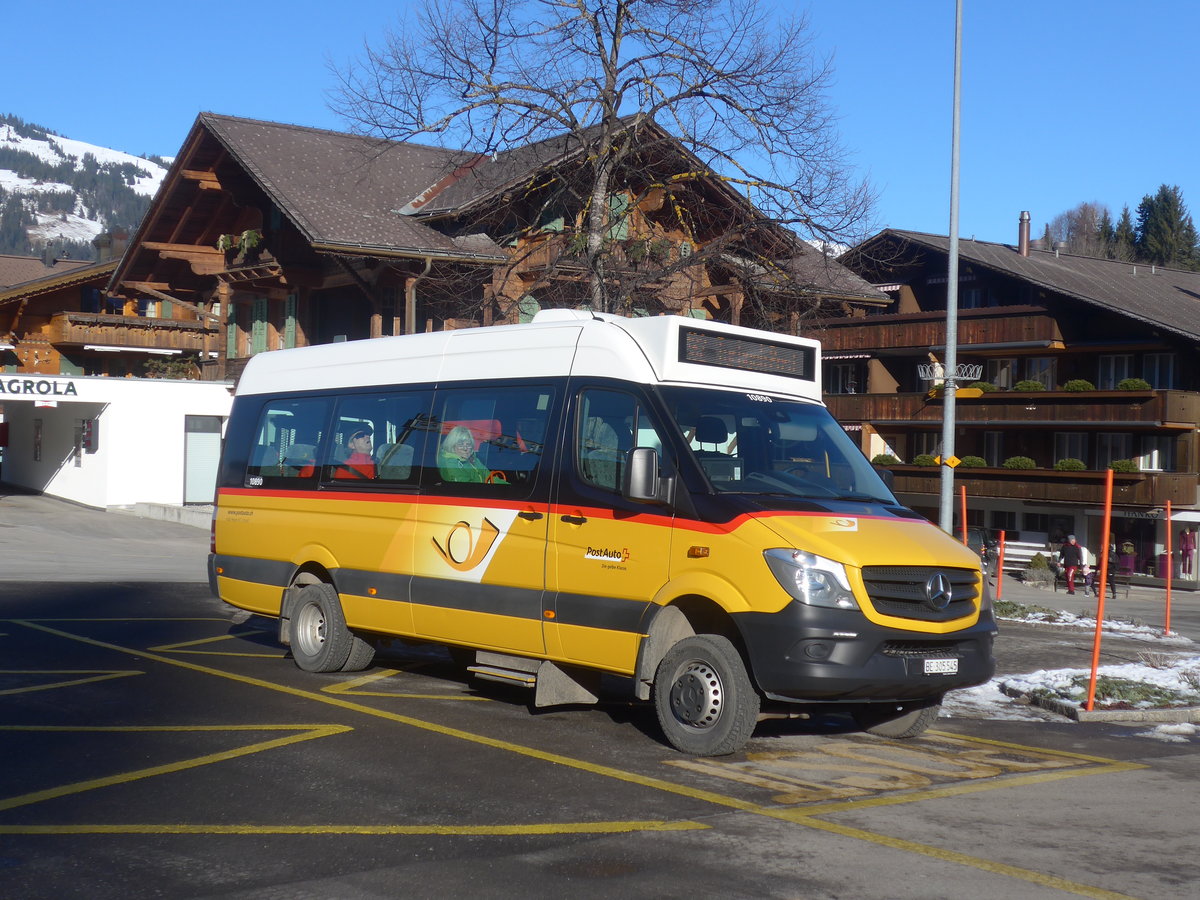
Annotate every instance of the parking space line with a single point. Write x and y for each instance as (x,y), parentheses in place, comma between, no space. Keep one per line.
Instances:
(94,676)
(451,830)
(303,733)
(794,816)
(233,635)
(351,688)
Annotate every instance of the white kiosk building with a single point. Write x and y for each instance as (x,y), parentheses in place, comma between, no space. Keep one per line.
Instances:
(113,442)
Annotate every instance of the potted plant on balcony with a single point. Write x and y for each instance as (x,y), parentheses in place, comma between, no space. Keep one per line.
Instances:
(1123,465)
(972,462)
(1133,384)
(1028,384)
(1079,384)
(1069,464)
(240,247)
(927,460)
(1020,462)
(884,459)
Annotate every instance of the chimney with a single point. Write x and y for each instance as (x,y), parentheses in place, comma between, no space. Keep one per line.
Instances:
(1023,234)
(110,245)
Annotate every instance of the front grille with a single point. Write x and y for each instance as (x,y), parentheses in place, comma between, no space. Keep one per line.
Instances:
(921,650)
(901,591)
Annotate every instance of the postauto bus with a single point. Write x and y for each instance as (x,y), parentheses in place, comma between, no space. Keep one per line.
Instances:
(661,499)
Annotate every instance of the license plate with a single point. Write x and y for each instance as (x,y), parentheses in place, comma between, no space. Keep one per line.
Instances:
(941,667)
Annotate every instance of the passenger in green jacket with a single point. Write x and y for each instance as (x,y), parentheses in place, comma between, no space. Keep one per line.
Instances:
(456,458)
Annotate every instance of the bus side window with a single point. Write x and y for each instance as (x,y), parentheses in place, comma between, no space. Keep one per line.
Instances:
(285,444)
(608,426)
(488,441)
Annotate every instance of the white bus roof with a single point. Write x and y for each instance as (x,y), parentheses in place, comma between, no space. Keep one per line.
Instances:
(655,349)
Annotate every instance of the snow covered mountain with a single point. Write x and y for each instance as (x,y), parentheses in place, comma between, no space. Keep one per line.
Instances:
(62,192)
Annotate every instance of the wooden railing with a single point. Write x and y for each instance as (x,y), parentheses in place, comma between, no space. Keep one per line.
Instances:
(1151,489)
(1061,408)
(920,331)
(79,328)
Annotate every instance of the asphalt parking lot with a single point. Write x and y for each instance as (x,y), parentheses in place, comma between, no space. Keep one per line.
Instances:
(159,743)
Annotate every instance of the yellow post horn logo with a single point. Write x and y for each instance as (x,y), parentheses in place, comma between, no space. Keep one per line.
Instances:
(476,550)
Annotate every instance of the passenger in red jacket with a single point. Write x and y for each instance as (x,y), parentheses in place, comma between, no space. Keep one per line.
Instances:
(359,464)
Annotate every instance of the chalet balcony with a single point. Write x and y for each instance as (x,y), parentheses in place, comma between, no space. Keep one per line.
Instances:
(77,329)
(1082,409)
(1014,326)
(1148,489)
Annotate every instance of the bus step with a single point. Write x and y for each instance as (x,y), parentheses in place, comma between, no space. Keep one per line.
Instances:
(507,676)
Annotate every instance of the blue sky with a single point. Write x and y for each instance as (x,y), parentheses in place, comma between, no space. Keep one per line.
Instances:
(1063,102)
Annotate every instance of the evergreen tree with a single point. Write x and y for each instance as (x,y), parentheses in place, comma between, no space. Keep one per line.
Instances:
(1124,237)
(1166,235)
(1106,233)
(13,222)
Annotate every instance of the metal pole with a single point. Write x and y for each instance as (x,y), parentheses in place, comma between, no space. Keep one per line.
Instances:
(950,386)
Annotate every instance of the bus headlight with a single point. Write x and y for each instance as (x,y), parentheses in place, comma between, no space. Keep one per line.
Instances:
(811,579)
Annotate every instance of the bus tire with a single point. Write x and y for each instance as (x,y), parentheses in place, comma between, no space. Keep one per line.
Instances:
(362,654)
(705,702)
(899,720)
(321,642)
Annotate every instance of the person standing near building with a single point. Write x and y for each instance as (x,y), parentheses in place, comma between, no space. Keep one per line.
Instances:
(1070,554)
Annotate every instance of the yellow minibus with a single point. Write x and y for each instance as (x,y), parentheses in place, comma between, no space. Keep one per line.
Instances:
(662,499)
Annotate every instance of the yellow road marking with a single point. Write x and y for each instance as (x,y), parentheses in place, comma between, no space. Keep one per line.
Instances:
(351,688)
(95,675)
(179,648)
(463,830)
(306,733)
(713,797)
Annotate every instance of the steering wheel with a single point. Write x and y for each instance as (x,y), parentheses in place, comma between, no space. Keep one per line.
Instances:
(496,477)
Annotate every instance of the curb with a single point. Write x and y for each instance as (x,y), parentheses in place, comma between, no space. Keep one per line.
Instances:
(1173,715)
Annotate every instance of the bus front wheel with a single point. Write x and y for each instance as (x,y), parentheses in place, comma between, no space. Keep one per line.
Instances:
(321,642)
(705,702)
(900,720)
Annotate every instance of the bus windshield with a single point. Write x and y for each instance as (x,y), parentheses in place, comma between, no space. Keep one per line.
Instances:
(759,444)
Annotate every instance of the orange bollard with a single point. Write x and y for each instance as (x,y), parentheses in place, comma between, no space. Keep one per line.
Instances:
(1106,531)
(963,516)
(1170,566)
(1000,568)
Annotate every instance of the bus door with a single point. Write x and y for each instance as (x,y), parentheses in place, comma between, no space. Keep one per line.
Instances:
(480,560)
(608,555)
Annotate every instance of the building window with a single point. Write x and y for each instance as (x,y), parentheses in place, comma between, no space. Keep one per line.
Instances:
(1113,369)
(1000,372)
(928,442)
(1159,370)
(1070,445)
(842,378)
(1043,369)
(1003,520)
(1158,453)
(993,447)
(1111,446)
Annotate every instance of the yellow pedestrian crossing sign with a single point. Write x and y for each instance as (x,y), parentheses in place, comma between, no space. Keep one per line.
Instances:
(950,461)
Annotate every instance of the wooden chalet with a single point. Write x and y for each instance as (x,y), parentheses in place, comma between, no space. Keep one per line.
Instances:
(281,236)
(1057,338)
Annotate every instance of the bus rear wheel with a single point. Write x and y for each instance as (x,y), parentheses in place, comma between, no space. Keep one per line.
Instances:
(321,642)
(705,702)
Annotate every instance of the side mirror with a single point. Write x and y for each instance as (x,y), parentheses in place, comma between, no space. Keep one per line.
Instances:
(641,476)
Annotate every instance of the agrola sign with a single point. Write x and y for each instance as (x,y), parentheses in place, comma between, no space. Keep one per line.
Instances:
(37,387)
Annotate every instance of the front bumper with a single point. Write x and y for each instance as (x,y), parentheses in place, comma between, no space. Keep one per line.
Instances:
(807,654)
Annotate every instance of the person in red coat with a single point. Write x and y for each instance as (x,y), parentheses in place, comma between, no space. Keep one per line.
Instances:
(1070,554)
(359,464)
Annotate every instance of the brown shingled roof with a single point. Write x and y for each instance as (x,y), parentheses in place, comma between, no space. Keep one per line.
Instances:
(19,269)
(1169,298)
(341,190)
